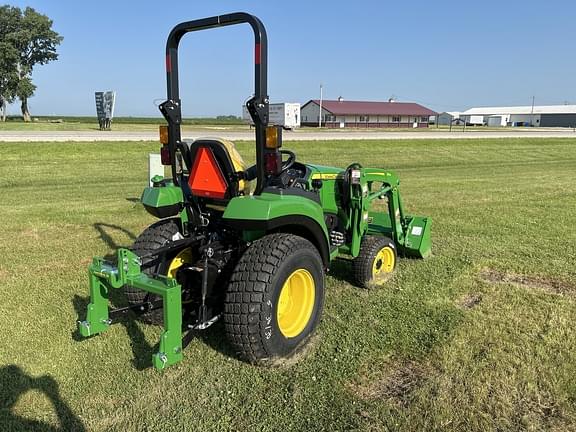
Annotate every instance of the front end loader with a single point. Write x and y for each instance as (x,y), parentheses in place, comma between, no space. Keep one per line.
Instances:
(249,246)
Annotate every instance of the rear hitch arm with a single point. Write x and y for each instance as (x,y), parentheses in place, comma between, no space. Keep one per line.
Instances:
(104,277)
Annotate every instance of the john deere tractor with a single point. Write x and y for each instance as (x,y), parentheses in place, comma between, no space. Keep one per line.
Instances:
(249,246)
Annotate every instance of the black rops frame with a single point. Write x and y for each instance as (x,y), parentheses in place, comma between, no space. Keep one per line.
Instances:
(257,105)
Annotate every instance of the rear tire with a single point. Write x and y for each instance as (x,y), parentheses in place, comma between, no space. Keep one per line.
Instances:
(152,238)
(275,298)
(376,262)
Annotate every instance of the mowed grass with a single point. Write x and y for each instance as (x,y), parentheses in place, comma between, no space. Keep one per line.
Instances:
(122,124)
(480,336)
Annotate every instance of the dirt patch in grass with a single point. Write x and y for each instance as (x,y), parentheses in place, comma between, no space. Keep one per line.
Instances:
(395,382)
(31,233)
(542,413)
(470,301)
(306,349)
(551,285)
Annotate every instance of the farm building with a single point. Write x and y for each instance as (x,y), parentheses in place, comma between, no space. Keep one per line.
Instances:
(447,118)
(340,114)
(543,115)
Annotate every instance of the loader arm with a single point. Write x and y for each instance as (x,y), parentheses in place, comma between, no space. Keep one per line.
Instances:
(410,233)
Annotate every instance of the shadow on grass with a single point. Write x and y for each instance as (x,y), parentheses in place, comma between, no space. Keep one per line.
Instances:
(341,270)
(14,383)
(141,349)
(133,200)
(103,229)
(215,338)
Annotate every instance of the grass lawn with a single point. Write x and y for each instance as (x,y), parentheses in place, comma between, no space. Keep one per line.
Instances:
(479,337)
(131,124)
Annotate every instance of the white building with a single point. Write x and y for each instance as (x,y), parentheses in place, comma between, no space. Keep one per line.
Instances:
(543,115)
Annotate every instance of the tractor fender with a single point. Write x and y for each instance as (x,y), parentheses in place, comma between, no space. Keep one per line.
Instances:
(299,225)
(269,213)
(163,201)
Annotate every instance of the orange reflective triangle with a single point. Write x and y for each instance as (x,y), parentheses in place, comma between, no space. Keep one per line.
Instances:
(206,178)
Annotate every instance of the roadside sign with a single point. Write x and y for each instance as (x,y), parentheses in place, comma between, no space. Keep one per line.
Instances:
(105,108)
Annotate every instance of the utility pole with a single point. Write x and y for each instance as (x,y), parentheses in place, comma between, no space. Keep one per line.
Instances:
(320,115)
(532,113)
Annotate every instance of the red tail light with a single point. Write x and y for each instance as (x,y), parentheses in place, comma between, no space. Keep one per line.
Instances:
(273,162)
(165,155)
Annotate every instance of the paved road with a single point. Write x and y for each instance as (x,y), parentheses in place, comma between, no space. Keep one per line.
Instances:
(39,136)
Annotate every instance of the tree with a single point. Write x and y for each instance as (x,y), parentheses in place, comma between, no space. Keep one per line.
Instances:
(8,77)
(24,90)
(9,18)
(30,34)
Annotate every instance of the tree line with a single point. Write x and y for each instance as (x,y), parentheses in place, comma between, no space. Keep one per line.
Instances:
(26,40)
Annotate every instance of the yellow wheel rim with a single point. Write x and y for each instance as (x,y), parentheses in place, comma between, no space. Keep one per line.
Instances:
(183,257)
(383,263)
(296,303)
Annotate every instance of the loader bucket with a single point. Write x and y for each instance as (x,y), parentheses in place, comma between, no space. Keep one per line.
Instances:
(417,241)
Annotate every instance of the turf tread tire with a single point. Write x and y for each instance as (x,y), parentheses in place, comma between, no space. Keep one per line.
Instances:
(362,264)
(152,238)
(250,298)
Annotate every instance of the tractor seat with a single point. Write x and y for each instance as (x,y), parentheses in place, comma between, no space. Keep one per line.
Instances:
(213,164)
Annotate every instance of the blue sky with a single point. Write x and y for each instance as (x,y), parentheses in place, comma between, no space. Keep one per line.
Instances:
(444,55)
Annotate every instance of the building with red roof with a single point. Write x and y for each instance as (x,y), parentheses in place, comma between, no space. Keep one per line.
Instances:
(340,113)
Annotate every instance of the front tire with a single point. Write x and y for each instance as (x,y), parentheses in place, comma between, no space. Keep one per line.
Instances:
(275,298)
(376,262)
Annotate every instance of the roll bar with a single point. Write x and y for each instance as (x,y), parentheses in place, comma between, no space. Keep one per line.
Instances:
(257,105)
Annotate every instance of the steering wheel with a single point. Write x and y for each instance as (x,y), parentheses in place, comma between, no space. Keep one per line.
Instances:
(288,162)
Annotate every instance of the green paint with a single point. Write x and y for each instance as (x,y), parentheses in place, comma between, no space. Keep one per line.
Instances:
(162,196)
(267,207)
(104,277)
(379,224)
(329,194)
(270,206)
(359,219)
(411,234)
(418,243)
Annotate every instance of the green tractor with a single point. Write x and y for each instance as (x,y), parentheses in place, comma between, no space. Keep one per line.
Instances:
(248,245)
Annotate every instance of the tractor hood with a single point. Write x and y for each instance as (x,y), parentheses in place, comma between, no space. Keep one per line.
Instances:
(322,172)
